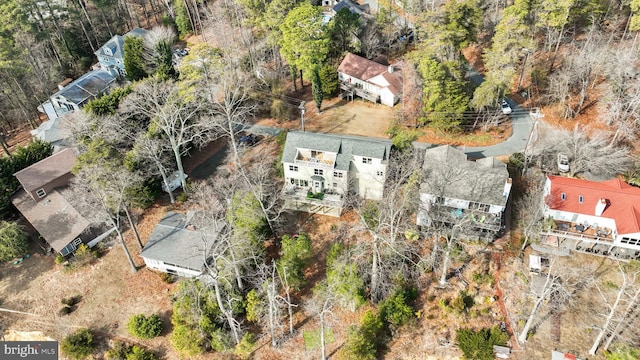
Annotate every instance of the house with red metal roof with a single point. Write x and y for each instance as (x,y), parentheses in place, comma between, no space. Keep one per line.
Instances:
(370,80)
(599,217)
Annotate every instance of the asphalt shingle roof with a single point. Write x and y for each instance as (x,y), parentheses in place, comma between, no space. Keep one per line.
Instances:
(46,170)
(448,173)
(172,242)
(346,146)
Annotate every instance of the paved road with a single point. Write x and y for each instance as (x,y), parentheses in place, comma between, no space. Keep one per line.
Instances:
(522,131)
(522,125)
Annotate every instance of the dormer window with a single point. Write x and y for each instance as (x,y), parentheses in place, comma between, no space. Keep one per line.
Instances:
(41,193)
(580,199)
(563,196)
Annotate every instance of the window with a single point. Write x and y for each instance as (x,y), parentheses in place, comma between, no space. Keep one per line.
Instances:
(563,196)
(314,154)
(337,174)
(580,199)
(380,173)
(41,193)
(293,168)
(318,172)
(299,182)
(366,160)
(439,200)
(630,241)
(335,184)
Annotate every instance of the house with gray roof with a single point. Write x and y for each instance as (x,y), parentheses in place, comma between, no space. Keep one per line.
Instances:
(111,54)
(456,190)
(44,201)
(320,169)
(177,247)
(73,96)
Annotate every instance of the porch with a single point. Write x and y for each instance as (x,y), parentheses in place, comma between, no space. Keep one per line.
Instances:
(298,199)
(478,219)
(350,90)
(588,239)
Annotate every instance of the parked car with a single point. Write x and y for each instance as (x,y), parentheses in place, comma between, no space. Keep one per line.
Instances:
(506,109)
(563,163)
(248,140)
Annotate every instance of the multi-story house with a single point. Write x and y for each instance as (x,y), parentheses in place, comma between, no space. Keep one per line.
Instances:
(597,217)
(44,202)
(74,95)
(370,80)
(111,54)
(320,169)
(457,191)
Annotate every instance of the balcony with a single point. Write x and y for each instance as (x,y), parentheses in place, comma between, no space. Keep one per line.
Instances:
(297,198)
(593,240)
(478,219)
(314,163)
(354,90)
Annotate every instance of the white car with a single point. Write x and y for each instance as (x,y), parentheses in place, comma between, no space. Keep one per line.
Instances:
(506,109)
(563,163)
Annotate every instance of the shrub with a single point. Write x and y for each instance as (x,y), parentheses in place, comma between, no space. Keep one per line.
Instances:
(72,300)
(167,278)
(187,340)
(122,351)
(14,241)
(462,303)
(65,310)
(279,110)
(60,259)
(83,256)
(78,345)
(395,311)
(246,346)
(479,345)
(362,341)
(145,327)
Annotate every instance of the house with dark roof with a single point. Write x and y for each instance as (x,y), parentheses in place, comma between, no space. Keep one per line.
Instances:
(597,217)
(177,247)
(320,169)
(74,95)
(370,80)
(456,190)
(44,203)
(111,54)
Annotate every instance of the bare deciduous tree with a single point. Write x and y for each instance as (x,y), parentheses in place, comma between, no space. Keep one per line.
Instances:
(174,113)
(559,286)
(618,316)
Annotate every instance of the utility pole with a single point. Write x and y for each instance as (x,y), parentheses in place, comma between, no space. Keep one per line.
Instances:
(302,110)
(524,66)
(535,116)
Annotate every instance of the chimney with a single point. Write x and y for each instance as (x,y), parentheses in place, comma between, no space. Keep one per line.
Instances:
(390,69)
(507,187)
(600,206)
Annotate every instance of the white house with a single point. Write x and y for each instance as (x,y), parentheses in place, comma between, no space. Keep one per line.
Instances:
(319,169)
(456,190)
(370,80)
(177,247)
(74,95)
(111,54)
(599,217)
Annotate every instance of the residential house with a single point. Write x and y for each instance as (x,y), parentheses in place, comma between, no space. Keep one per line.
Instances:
(43,201)
(176,247)
(111,54)
(74,95)
(320,169)
(456,190)
(370,80)
(598,217)
(350,5)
